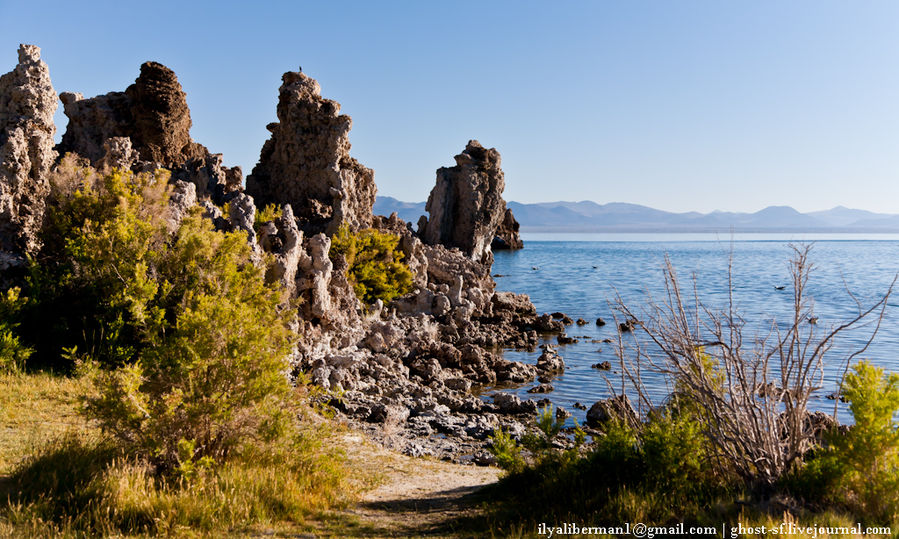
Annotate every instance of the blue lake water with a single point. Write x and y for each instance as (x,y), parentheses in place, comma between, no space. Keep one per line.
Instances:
(581,276)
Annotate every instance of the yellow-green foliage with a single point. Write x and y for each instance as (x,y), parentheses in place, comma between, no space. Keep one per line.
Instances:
(266,214)
(375,266)
(658,473)
(13,353)
(860,469)
(186,342)
(211,373)
(93,285)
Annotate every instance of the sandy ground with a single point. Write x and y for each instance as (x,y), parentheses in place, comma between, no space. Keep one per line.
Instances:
(414,496)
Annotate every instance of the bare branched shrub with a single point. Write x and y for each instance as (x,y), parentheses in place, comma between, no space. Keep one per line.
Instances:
(751,399)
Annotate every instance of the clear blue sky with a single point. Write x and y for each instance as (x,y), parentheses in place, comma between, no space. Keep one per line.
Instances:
(687,105)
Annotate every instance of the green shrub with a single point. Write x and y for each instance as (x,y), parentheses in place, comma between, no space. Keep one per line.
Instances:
(186,342)
(212,372)
(266,214)
(13,353)
(506,451)
(660,472)
(374,264)
(859,470)
(93,284)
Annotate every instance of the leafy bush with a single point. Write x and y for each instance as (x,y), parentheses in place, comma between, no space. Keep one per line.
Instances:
(13,353)
(860,469)
(186,342)
(212,373)
(374,265)
(93,284)
(660,472)
(266,214)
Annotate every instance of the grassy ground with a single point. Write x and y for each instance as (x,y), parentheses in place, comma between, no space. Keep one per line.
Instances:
(60,478)
(34,410)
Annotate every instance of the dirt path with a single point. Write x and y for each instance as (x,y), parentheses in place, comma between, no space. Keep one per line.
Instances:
(414,497)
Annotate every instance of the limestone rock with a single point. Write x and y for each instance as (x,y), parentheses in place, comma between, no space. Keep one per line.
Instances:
(466,204)
(183,198)
(27,105)
(550,362)
(153,116)
(161,119)
(306,163)
(614,408)
(507,236)
(285,241)
(118,152)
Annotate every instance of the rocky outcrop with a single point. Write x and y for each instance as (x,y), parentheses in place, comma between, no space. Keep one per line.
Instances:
(27,105)
(410,365)
(306,163)
(466,205)
(507,236)
(146,127)
(160,128)
(152,112)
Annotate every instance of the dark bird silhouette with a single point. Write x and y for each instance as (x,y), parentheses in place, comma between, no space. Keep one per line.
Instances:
(779,287)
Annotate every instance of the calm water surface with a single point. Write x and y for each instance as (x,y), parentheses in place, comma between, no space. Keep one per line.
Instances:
(581,278)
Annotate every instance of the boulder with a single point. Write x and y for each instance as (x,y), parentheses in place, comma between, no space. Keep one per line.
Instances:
(466,205)
(306,162)
(614,408)
(550,362)
(27,105)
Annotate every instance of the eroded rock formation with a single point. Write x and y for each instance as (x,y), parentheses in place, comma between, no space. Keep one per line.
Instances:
(27,105)
(507,236)
(411,364)
(306,163)
(466,205)
(149,124)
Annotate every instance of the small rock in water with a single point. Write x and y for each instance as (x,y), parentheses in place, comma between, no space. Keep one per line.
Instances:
(562,413)
(580,406)
(581,322)
(542,388)
(602,365)
(600,322)
(565,339)
(625,327)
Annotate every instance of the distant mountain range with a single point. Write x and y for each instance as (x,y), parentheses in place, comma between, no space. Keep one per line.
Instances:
(587,216)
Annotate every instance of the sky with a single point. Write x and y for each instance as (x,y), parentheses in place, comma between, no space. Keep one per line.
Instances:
(678,105)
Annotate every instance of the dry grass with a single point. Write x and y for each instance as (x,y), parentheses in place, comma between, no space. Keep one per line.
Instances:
(61,478)
(34,410)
